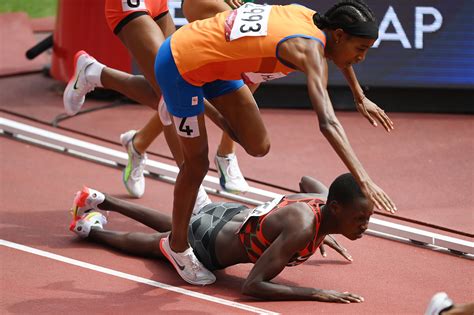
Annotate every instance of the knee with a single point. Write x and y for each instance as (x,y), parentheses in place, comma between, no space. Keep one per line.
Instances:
(197,168)
(202,167)
(260,149)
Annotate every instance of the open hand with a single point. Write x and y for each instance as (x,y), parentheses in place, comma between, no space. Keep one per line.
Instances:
(337,297)
(378,196)
(372,112)
(331,242)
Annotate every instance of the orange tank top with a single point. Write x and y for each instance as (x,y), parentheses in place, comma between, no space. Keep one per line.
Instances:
(204,52)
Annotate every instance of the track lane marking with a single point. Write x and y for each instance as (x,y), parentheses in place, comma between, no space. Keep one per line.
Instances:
(134,278)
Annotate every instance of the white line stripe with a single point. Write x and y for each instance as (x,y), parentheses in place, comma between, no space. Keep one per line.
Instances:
(134,278)
(254,196)
(95,150)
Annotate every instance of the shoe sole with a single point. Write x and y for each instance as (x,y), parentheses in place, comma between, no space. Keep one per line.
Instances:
(79,201)
(88,217)
(165,253)
(72,81)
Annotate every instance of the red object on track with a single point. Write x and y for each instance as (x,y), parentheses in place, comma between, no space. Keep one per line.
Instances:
(81,25)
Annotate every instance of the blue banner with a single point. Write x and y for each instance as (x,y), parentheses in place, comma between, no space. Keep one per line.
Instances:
(422,43)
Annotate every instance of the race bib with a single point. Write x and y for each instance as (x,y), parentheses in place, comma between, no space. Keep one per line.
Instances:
(133,5)
(248,20)
(254,77)
(187,127)
(261,210)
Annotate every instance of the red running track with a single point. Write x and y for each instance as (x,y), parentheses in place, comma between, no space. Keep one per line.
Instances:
(425,164)
(37,189)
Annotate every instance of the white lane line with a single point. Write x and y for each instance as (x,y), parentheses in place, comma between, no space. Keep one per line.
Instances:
(134,278)
(254,196)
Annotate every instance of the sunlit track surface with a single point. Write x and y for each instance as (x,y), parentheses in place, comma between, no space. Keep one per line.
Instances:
(254,196)
(41,185)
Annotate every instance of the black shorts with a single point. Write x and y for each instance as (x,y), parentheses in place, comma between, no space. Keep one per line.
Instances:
(204,227)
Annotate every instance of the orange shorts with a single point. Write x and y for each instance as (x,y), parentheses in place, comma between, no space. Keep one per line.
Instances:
(119,12)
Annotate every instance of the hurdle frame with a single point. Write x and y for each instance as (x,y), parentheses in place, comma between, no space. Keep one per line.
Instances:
(254,196)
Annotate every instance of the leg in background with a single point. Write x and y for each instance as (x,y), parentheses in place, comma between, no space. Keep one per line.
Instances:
(311,185)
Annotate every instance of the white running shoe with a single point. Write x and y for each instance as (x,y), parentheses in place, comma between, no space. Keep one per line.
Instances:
(133,178)
(78,86)
(202,200)
(86,200)
(82,226)
(230,176)
(187,265)
(439,302)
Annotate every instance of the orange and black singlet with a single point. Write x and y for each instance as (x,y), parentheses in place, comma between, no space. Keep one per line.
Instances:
(255,243)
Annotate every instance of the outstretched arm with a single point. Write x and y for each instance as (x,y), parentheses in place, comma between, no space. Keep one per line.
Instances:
(272,262)
(366,107)
(308,56)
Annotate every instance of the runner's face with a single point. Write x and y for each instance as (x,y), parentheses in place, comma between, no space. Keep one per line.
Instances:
(355,218)
(349,50)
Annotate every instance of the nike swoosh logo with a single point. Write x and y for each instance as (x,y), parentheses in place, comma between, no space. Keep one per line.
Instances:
(179,266)
(75,83)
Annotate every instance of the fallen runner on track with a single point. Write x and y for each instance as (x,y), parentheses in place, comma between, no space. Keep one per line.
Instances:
(283,232)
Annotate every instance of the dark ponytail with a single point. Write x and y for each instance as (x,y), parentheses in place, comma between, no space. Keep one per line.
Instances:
(353,16)
(321,21)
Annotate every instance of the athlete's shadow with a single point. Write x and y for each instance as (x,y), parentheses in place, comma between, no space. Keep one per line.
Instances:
(51,228)
(104,299)
(228,284)
(35,227)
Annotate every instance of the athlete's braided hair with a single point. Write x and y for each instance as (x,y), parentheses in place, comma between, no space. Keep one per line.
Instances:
(345,12)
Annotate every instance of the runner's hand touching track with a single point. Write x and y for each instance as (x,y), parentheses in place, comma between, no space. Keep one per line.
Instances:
(338,297)
(373,113)
(378,196)
(331,242)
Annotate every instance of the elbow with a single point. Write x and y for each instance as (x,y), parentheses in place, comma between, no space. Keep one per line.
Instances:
(327,125)
(196,169)
(250,289)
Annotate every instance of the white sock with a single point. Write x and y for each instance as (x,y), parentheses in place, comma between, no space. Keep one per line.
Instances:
(93,72)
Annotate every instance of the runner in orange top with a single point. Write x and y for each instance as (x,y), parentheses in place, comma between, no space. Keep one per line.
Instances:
(141,24)
(226,48)
(258,43)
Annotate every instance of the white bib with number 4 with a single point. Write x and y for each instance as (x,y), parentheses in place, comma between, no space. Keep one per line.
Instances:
(248,20)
